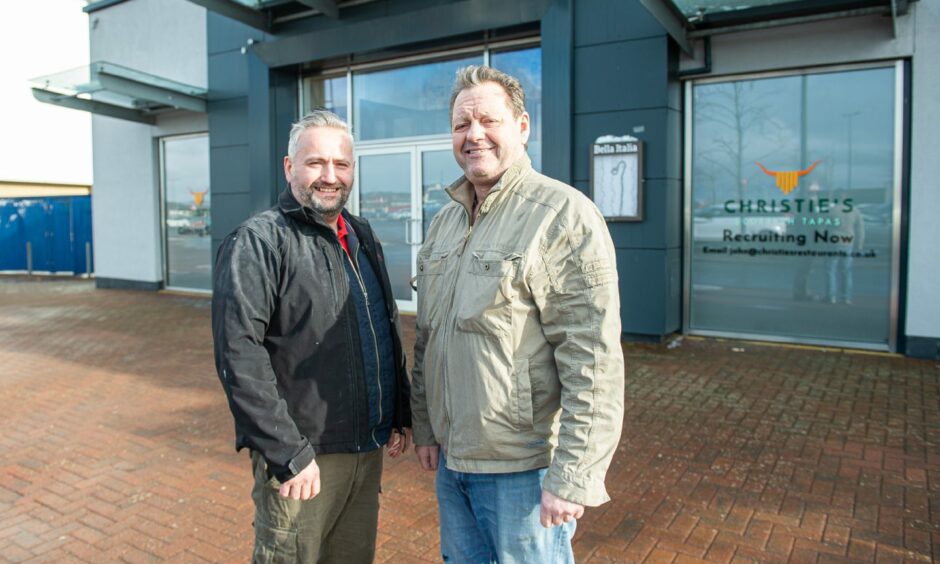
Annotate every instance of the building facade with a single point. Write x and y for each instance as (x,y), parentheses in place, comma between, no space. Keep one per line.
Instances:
(151,206)
(785,188)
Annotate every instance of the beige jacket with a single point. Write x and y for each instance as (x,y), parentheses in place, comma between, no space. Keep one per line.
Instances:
(518,363)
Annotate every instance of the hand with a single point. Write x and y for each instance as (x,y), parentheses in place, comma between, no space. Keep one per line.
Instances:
(398,443)
(557,511)
(428,456)
(303,486)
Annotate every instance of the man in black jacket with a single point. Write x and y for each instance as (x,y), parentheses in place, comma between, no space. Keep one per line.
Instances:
(308,350)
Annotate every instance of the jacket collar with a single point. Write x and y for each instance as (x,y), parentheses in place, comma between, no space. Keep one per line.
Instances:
(461,191)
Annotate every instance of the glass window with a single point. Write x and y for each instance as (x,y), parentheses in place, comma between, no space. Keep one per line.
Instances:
(438,171)
(187,204)
(526,65)
(326,93)
(414,100)
(385,186)
(792,206)
(407,101)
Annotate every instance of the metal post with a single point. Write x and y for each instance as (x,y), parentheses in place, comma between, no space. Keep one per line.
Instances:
(88,259)
(29,258)
(850,116)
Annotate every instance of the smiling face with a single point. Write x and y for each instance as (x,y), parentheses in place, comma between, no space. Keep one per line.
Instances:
(320,172)
(487,139)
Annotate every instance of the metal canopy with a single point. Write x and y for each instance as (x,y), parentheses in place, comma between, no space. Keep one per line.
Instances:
(112,90)
(372,35)
(685,20)
(262,14)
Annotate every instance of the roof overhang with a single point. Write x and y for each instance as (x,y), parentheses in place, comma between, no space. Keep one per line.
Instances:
(372,34)
(687,20)
(112,90)
(265,14)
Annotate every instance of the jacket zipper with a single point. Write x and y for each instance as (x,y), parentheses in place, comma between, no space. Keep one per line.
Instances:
(375,339)
(341,280)
(466,239)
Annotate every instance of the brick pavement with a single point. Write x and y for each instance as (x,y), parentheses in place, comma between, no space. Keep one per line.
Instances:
(116,445)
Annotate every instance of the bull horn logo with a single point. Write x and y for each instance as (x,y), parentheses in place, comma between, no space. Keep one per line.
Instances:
(787,179)
(198,197)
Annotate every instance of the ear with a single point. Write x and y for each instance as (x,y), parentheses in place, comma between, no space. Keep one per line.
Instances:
(288,167)
(524,127)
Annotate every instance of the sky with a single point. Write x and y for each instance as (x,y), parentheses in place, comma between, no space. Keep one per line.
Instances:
(41,142)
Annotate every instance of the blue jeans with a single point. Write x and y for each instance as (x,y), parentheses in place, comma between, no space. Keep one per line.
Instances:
(495,518)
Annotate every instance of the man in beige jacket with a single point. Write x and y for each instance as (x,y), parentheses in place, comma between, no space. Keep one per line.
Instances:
(517,393)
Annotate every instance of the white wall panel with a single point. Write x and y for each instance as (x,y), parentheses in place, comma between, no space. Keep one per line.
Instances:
(125,203)
(923,299)
(166,38)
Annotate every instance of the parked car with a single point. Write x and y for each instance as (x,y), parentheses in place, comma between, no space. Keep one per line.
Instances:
(193,226)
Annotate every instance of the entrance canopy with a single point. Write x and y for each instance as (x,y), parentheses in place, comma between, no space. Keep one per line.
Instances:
(112,90)
(686,20)
(262,14)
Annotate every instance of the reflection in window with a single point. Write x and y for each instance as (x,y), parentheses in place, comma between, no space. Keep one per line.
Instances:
(414,100)
(526,65)
(792,201)
(407,101)
(328,94)
(438,171)
(385,198)
(187,205)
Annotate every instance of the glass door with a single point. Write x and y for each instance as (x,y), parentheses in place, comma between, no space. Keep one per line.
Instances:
(438,171)
(384,186)
(187,246)
(399,189)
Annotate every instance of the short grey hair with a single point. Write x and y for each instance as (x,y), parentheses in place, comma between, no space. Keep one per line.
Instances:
(475,75)
(316,118)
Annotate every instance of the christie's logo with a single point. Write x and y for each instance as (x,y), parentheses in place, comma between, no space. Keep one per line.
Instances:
(787,179)
(198,197)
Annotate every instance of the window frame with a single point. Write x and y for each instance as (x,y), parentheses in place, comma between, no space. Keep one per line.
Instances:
(900,78)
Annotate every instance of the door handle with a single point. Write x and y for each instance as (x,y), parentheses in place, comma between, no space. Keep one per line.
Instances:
(420,232)
(410,239)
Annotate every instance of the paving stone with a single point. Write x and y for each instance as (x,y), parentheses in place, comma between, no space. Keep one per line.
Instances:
(730,451)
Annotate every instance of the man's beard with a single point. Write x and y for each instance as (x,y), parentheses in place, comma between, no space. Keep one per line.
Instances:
(307,198)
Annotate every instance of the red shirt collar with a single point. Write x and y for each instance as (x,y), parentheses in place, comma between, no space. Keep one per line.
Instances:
(342,231)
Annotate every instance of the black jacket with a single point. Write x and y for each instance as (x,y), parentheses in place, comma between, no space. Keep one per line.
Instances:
(286,337)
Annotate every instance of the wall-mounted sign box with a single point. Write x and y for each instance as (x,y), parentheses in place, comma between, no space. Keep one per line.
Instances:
(617,177)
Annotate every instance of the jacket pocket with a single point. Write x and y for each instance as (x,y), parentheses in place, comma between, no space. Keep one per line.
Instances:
(521,401)
(431,294)
(487,297)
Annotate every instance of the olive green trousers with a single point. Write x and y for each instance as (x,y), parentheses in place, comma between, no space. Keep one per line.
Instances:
(338,525)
